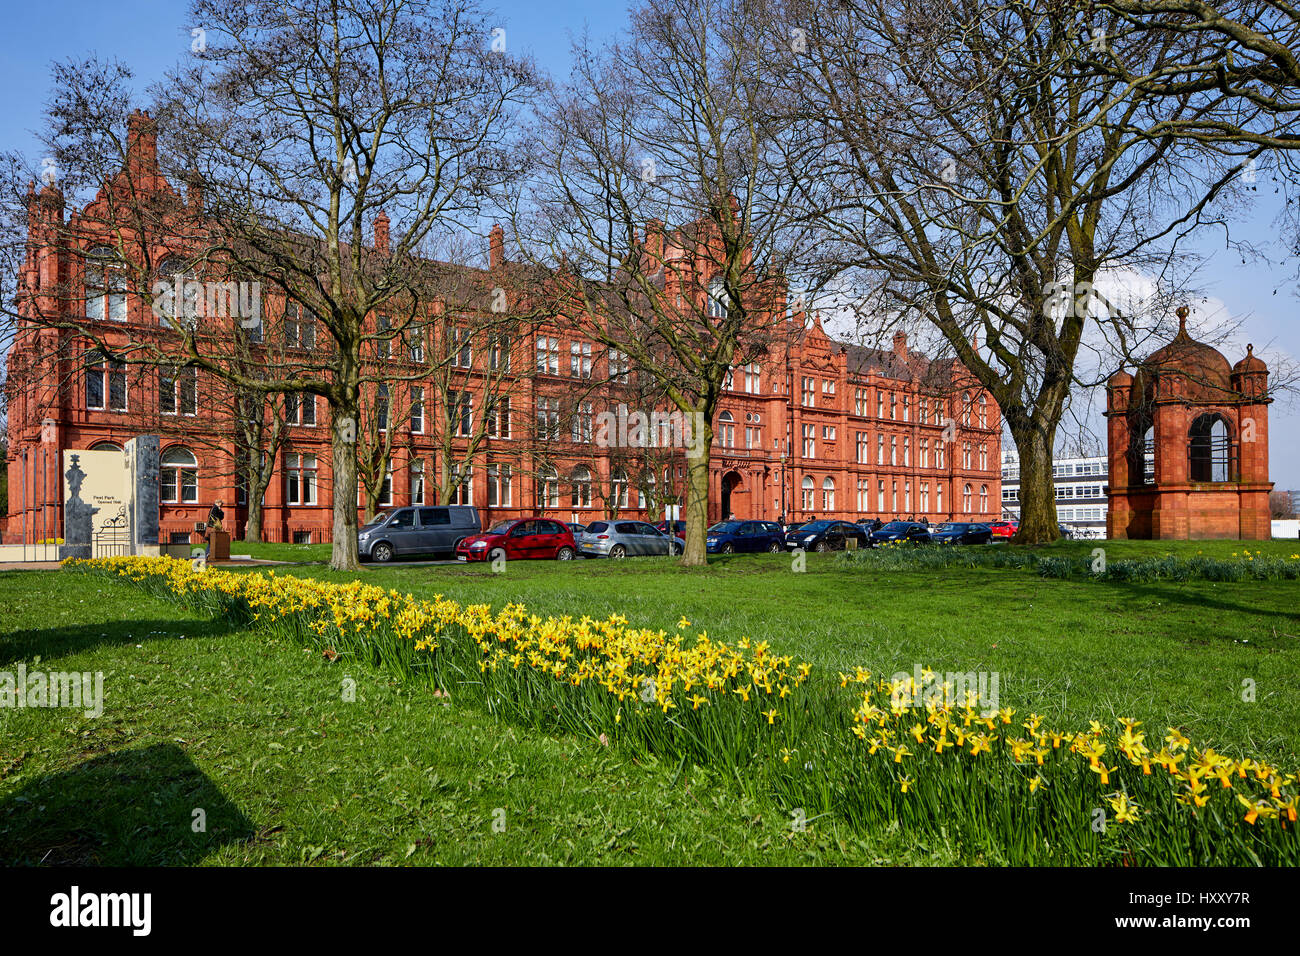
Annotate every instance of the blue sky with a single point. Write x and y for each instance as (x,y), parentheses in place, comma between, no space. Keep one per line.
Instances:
(148,35)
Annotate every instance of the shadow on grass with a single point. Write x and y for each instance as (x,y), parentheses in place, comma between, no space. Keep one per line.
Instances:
(129,808)
(54,642)
(1285,619)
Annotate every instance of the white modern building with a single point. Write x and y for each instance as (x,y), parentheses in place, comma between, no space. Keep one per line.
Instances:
(1080,492)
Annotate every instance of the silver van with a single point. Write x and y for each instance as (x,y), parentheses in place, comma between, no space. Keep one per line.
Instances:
(435,529)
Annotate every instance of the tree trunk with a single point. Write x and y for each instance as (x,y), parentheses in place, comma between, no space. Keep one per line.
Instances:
(343,556)
(697,499)
(1038,524)
(253,526)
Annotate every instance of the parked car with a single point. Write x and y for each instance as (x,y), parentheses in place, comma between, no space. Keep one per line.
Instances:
(519,538)
(619,539)
(912,531)
(869,524)
(827,534)
(1066,533)
(678,527)
(961,532)
(730,537)
(409,531)
(1003,529)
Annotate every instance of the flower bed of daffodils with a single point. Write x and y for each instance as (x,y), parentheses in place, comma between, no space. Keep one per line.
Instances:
(869,752)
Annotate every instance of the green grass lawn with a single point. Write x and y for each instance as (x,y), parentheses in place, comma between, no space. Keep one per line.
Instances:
(256,732)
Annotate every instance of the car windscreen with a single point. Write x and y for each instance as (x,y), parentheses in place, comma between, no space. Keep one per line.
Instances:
(953,526)
(816,526)
(596,527)
(501,527)
(376,520)
(725,527)
(897,526)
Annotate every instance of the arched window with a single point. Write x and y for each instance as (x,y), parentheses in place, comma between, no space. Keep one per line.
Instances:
(984,499)
(727,430)
(618,488)
(1209,449)
(966,403)
(966,498)
(548,488)
(105,285)
(828,495)
(808,492)
(178,476)
(984,411)
(581,480)
(180,301)
(105,446)
(718,299)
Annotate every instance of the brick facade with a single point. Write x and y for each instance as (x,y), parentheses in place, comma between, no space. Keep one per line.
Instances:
(1205,427)
(814,427)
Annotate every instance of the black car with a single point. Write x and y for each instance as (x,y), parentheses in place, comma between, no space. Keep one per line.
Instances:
(826,535)
(961,532)
(912,531)
(729,537)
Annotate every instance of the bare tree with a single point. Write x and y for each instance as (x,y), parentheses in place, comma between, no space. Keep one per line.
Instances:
(976,176)
(662,212)
(299,125)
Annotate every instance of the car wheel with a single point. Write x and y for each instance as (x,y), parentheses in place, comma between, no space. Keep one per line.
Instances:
(775,548)
(564,554)
(497,554)
(823,545)
(618,551)
(382,552)
(677,549)
(456,546)
(728,548)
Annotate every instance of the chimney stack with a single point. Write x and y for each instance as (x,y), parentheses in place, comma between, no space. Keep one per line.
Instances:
(900,344)
(142,149)
(194,194)
(497,248)
(381,233)
(654,241)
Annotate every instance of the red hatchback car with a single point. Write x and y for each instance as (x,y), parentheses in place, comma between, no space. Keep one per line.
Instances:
(519,538)
(1002,529)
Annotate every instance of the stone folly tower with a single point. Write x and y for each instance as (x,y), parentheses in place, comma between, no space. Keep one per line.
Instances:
(1188,445)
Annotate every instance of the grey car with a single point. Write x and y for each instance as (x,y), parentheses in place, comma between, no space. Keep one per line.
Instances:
(417,530)
(621,538)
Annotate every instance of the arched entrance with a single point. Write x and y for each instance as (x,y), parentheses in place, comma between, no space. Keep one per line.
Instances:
(735,496)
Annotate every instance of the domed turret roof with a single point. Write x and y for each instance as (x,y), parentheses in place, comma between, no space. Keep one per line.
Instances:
(1251,363)
(1206,372)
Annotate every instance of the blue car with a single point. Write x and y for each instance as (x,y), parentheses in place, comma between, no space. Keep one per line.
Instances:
(734,537)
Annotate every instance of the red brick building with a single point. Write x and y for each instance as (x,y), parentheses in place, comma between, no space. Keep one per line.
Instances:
(812,427)
(1188,445)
